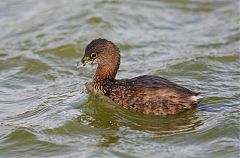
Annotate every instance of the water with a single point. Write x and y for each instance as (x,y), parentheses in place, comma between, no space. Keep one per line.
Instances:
(45,111)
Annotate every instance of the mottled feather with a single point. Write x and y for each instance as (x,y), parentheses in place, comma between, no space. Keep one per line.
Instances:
(146,94)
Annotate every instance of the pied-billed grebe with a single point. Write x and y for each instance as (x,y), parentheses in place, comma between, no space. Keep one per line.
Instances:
(145,94)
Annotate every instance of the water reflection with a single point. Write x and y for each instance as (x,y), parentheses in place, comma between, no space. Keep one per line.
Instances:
(44,112)
(102,114)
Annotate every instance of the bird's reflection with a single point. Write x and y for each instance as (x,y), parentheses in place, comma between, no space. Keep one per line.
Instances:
(100,113)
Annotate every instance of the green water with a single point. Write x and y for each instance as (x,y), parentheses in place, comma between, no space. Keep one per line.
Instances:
(45,111)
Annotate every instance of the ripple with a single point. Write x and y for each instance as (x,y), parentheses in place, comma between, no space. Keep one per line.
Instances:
(65,51)
(45,111)
(35,67)
(101,114)
(95,20)
(18,143)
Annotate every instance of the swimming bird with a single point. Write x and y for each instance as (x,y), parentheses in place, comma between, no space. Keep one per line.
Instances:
(146,94)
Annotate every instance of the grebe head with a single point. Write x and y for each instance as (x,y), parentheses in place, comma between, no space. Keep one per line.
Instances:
(102,52)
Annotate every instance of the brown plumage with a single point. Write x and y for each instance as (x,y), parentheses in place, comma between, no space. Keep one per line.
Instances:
(146,94)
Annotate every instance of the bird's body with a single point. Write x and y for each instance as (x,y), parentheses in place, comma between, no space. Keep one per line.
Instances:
(145,94)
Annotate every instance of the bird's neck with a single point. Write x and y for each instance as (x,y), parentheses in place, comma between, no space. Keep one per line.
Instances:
(107,72)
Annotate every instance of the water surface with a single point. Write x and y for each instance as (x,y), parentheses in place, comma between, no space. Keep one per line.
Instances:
(46,112)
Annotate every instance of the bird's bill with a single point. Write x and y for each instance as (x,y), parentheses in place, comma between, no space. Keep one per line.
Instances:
(85,61)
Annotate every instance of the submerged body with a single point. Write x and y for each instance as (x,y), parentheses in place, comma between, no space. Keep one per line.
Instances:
(145,94)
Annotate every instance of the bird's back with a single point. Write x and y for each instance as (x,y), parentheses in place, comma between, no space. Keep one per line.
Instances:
(152,95)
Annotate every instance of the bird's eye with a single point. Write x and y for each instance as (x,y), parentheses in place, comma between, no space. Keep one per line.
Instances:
(93,55)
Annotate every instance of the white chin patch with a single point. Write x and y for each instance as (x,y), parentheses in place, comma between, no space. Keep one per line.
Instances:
(195,98)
